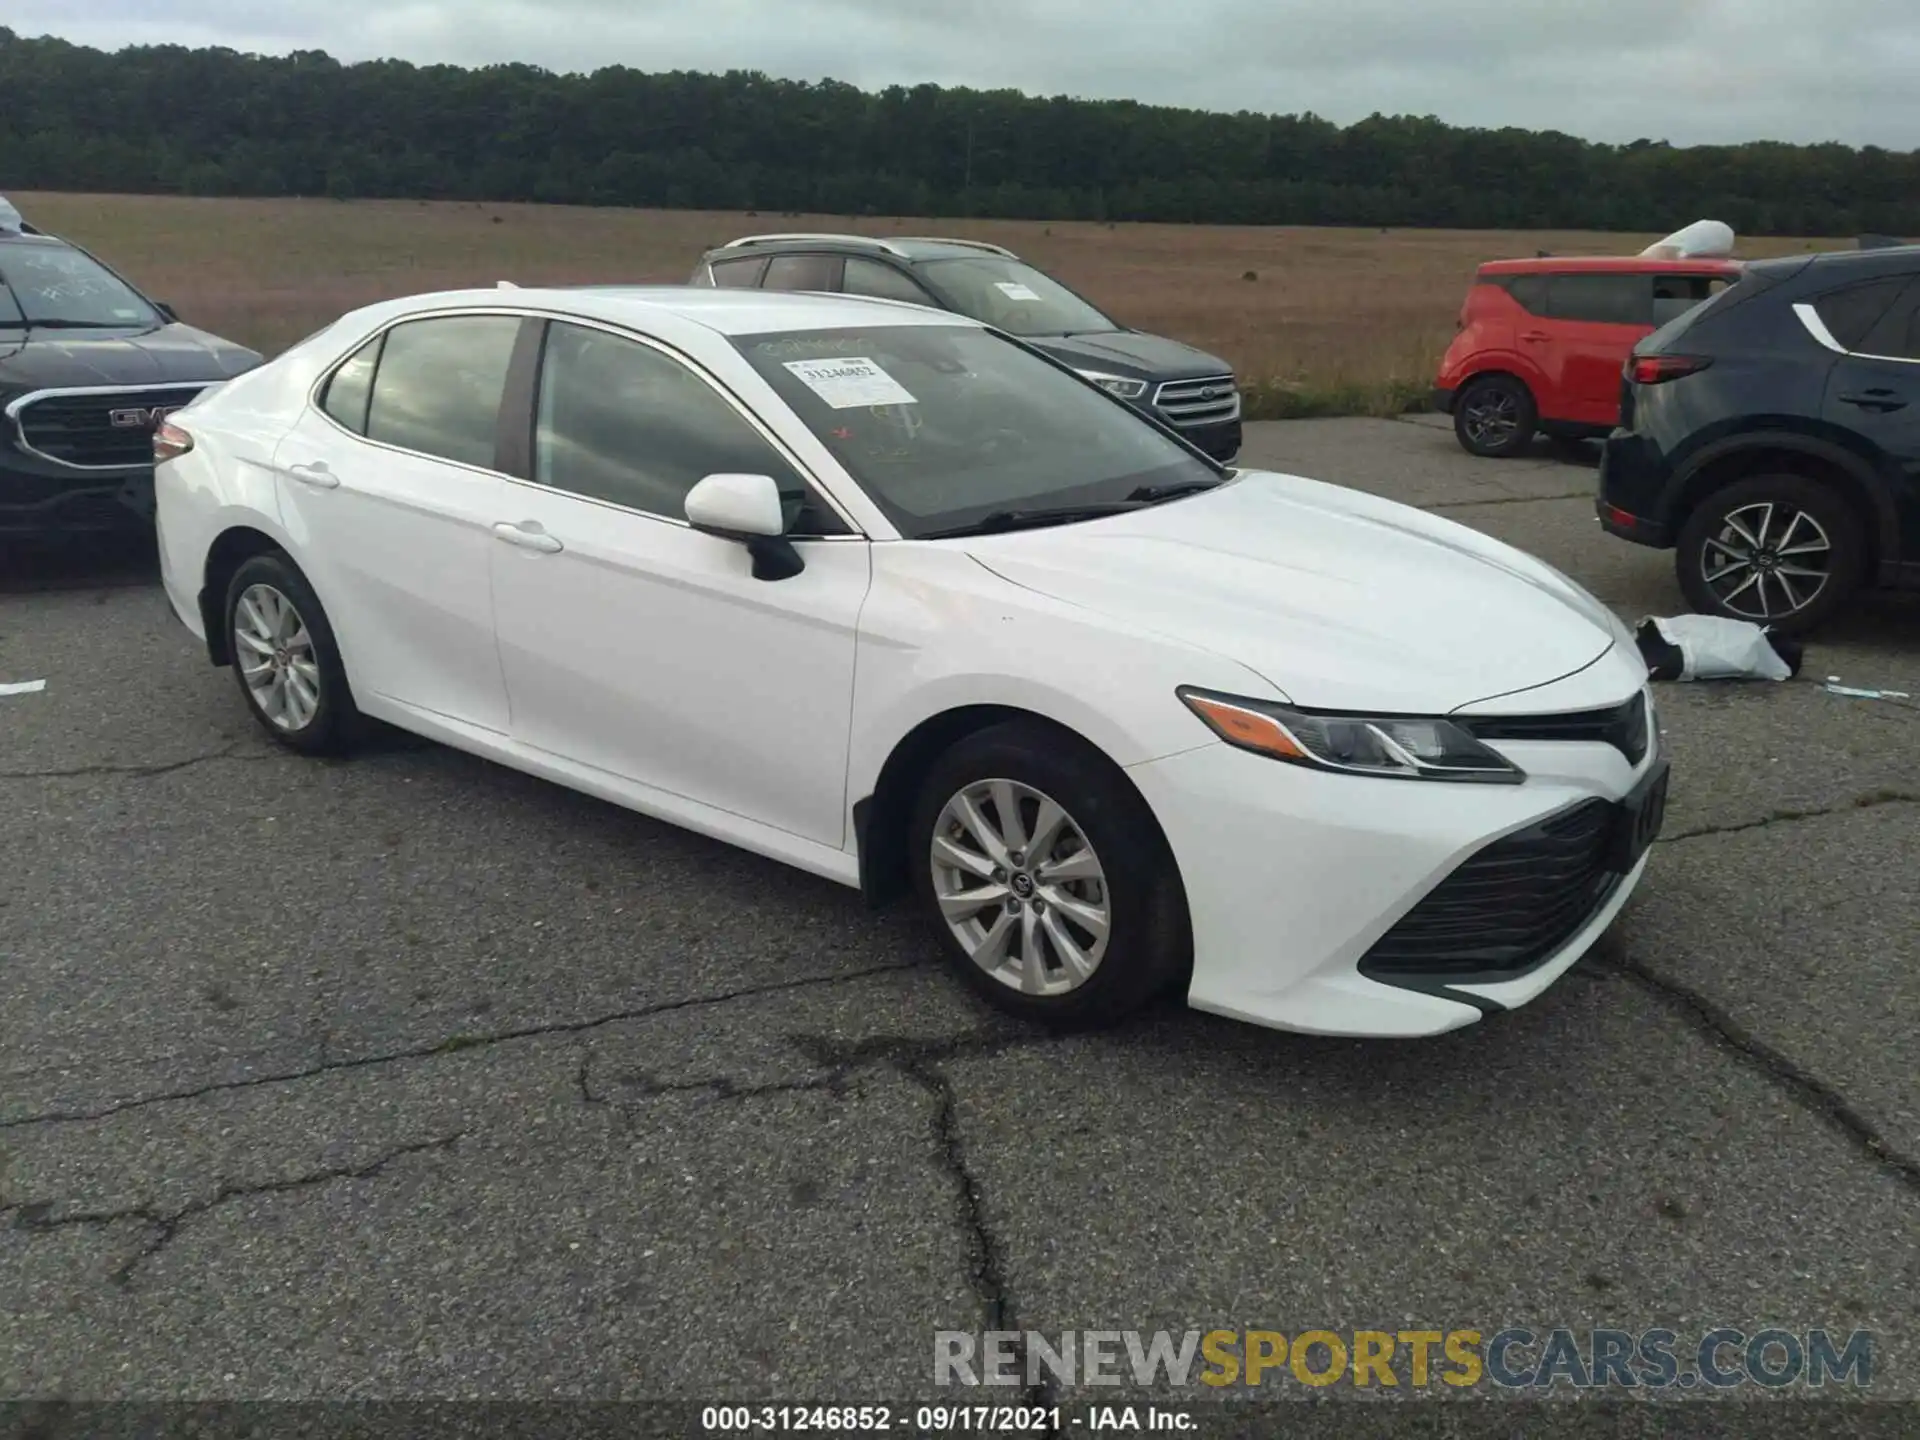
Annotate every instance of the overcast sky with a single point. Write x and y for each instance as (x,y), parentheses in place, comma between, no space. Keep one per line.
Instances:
(1696,71)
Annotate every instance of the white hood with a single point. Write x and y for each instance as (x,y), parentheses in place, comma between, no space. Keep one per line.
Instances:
(1339,599)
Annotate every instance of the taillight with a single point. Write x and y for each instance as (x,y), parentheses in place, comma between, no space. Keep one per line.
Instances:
(1658,369)
(170,442)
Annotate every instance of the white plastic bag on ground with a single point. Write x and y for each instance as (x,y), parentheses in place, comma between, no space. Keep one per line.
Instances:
(1712,647)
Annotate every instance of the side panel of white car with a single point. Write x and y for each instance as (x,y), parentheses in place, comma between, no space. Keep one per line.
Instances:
(398,547)
(646,649)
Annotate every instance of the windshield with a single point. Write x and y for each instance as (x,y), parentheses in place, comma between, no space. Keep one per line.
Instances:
(1011,296)
(57,285)
(944,426)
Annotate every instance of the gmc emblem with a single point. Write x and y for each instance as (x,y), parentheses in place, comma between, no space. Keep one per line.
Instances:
(141,417)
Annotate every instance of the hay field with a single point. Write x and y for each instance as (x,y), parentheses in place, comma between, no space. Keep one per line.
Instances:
(1316,321)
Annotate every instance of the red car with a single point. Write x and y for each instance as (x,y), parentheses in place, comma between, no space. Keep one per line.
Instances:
(1542,343)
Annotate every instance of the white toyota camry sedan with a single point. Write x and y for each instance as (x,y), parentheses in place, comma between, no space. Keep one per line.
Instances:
(882,593)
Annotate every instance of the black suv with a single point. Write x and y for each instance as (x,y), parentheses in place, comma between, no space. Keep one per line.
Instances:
(1186,389)
(88,365)
(1771,436)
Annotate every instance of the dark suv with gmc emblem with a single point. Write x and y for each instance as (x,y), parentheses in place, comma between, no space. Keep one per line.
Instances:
(1187,390)
(88,366)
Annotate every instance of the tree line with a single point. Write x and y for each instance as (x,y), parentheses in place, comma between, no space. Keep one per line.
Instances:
(213,121)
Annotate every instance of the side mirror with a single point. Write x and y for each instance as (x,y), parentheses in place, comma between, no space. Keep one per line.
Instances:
(747,509)
(166,310)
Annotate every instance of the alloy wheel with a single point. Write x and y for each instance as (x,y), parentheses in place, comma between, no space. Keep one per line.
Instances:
(1491,418)
(1020,887)
(1767,560)
(276,657)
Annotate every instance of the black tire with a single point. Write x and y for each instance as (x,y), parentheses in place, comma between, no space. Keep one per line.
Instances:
(1495,417)
(1708,541)
(1148,944)
(334,722)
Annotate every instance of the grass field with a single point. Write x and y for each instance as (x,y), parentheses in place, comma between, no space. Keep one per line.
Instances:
(1316,321)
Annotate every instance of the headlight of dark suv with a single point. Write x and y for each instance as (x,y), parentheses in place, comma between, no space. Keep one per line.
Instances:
(1121,385)
(1397,747)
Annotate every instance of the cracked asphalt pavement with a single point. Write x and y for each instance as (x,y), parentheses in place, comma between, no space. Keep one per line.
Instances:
(408,1076)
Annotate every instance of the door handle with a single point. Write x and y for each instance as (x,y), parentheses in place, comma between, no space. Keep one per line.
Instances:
(534,539)
(1538,337)
(1874,400)
(317,475)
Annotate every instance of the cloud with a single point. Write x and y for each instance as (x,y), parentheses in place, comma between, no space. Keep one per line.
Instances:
(1704,72)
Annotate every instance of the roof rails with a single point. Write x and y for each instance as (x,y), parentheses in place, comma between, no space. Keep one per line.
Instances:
(969,244)
(808,235)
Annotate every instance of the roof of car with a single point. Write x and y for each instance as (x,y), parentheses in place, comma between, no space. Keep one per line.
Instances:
(1608,265)
(726,312)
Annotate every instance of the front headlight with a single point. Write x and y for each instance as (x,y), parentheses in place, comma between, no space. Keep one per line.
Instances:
(1115,384)
(1397,747)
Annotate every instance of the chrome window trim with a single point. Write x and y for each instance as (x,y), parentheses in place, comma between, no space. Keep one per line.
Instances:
(21,402)
(805,472)
(1816,327)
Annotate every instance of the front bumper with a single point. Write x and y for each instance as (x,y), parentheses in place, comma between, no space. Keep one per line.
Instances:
(1441,399)
(1221,440)
(39,500)
(1294,877)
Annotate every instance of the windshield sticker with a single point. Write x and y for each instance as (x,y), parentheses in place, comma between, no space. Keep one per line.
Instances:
(1014,291)
(850,384)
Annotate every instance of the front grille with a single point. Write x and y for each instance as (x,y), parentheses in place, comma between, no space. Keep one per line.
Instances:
(77,427)
(1622,726)
(1509,907)
(1207,401)
(94,511)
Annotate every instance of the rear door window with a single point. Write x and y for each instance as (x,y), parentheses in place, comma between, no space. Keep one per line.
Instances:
(1601,299)
(1897,334)
(1529,292)
(870,277)
(803,272)
(351,386)
(439,384)
(1852,311)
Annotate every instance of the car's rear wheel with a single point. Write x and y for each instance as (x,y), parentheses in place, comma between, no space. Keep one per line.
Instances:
(1783,551)
(1495,416)
(286,659)
(1052,890)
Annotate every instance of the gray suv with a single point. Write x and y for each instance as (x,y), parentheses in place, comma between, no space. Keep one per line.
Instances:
(1184,388)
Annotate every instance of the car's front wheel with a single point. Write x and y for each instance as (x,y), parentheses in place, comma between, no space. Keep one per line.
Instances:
(286,659)
(1495,416)
(1783,551)
(1049,883)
